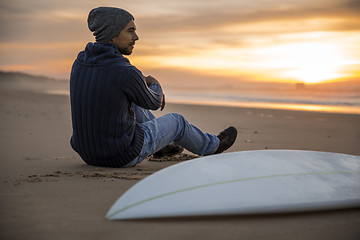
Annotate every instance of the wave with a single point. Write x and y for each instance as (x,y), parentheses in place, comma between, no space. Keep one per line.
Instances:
(343,104)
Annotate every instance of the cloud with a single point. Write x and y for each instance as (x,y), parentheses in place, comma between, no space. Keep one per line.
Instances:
(186,32)
(351,4)
(59,20)
(38,30)
(193,31)
(215,19)
(37,21)
(44,30)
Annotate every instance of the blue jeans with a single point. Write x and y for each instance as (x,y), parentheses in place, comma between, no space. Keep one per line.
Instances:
(172,127)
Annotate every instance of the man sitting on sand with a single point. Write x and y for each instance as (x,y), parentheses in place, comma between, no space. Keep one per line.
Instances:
(111,99)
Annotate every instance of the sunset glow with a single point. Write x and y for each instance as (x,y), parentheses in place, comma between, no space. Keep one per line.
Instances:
(316,60)
(308,62)
(300,41)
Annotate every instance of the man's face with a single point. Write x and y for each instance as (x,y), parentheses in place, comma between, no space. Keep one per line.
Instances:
(125,41)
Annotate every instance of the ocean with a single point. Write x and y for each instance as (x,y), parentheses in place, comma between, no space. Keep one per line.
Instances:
(336,102)
(337,97)
(341,102)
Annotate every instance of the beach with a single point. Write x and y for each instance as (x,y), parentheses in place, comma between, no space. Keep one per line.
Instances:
(48,192)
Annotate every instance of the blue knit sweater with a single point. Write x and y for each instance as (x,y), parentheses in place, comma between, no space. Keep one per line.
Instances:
(103,86)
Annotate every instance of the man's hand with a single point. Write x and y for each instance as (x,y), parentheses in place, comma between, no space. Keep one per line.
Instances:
(150,80)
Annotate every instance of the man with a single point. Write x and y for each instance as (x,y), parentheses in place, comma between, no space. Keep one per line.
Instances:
(110,102)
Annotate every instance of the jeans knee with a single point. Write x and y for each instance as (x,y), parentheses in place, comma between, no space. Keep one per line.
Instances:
(178,117)
(181,124)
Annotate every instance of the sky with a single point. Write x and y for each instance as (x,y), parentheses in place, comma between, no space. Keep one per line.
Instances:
(252,40)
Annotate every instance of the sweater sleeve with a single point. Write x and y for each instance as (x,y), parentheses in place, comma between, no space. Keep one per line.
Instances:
(139,93)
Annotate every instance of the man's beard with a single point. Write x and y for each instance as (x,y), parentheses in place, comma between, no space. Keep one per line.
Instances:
(125,51)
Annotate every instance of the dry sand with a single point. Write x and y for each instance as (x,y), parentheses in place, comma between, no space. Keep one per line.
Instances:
(47,192)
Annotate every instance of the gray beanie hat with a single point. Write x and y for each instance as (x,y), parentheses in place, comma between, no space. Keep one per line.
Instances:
(107,22)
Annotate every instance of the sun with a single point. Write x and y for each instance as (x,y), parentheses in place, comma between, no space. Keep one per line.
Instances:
(313,62)
(315,72)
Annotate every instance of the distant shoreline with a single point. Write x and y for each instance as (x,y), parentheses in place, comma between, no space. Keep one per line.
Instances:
(309,99)
(258,105)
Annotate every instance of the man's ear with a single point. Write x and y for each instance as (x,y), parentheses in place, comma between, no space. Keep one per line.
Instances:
(113,39)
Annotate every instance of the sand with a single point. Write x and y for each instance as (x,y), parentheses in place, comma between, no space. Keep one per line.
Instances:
(47,192)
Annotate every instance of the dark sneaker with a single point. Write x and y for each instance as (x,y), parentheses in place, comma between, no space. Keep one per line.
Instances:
(227,139)
(169,150)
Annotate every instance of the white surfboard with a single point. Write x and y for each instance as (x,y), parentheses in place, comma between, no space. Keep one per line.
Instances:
(249,182)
